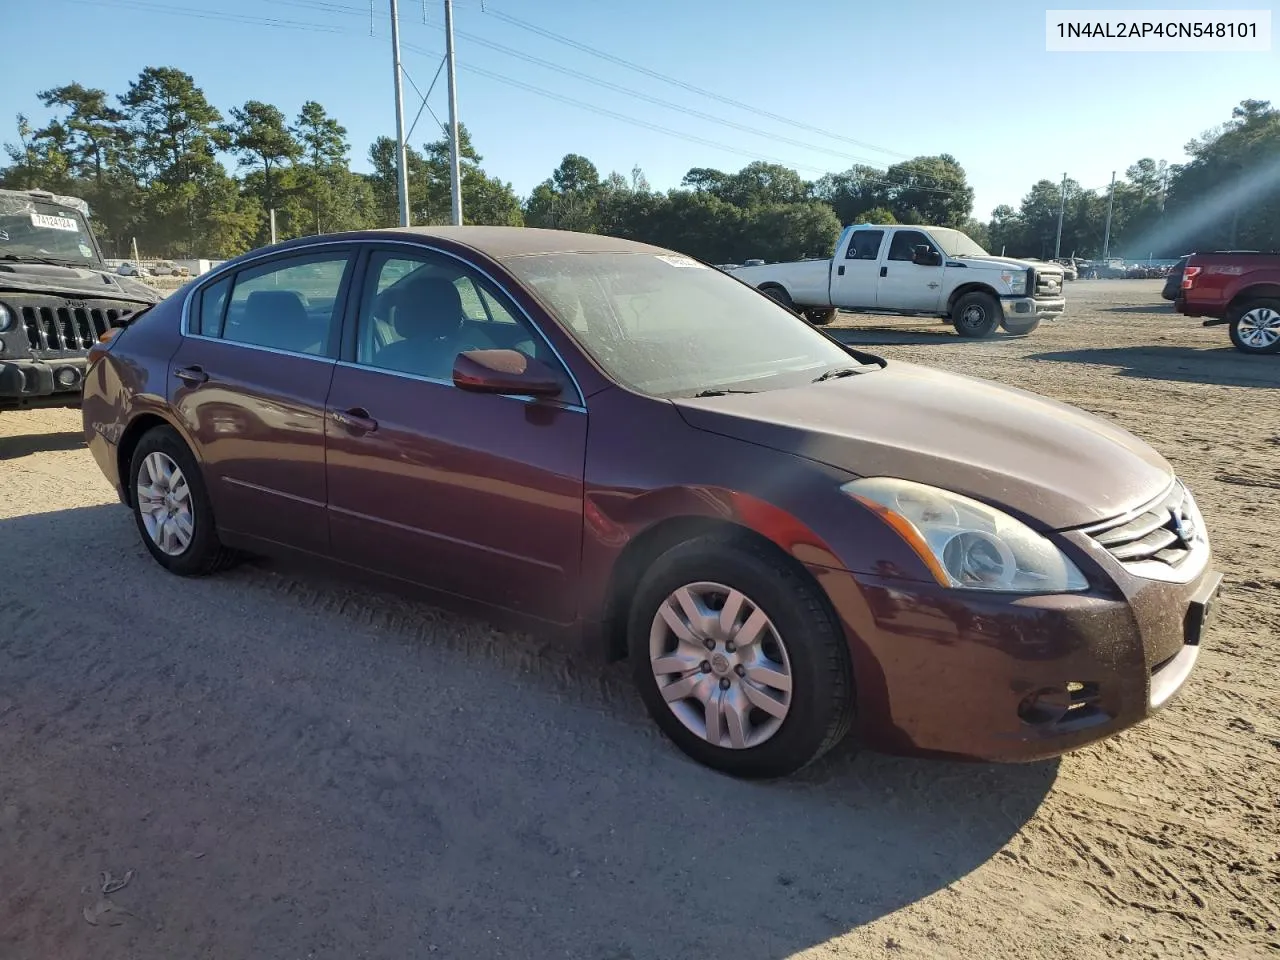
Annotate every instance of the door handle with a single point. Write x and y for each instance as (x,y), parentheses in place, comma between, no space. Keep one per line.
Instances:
(884,271)
(191,375)
(840,271)
(357,418)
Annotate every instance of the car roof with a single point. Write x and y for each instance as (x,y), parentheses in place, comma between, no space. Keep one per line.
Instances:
(498,243)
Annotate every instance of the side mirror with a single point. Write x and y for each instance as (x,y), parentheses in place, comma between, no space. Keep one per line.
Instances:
(925,256)
(504,371)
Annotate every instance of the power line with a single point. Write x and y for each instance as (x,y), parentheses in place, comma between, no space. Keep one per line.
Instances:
(658,101)
(493,75)
(603,55)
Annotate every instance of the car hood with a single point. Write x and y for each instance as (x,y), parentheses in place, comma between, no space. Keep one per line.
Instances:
(1048,463)
(73,281)
(1009,263)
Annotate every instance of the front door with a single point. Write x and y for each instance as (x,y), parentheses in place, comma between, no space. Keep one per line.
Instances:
(476,495)
(905,285)
(249,382)
(856,270)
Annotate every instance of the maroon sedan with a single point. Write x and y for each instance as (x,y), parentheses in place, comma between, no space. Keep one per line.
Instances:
(625,446)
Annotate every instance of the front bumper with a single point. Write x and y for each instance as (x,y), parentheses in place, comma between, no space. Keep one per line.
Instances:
(1001,678)
(41,383)
(1027,307)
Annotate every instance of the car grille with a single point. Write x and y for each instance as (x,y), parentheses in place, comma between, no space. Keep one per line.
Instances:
(1048,285)
(61,328)
(1165,532)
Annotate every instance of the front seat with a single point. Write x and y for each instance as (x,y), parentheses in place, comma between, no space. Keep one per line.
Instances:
(428,317)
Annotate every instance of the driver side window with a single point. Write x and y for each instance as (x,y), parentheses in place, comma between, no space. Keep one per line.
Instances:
(905,242)
(420,310)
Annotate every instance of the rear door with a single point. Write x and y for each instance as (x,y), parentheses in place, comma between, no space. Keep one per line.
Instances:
(905,285)
(855,271)
(249,383)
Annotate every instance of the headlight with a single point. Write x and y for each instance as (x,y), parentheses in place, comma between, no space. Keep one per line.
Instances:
(966,544)
(6,318)
(1016,280)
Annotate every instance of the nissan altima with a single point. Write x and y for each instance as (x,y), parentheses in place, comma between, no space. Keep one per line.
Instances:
(628,448)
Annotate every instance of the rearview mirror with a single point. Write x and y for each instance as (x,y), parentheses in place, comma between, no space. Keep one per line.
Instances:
(926,256)
(504,371)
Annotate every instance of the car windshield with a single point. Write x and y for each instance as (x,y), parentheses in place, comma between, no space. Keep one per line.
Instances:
(36,228)
(956,244)
(668,326)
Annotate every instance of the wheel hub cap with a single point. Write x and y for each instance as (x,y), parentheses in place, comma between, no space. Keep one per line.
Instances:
(720,665)
(164,501)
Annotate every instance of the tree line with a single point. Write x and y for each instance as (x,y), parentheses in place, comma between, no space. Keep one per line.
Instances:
(150,163)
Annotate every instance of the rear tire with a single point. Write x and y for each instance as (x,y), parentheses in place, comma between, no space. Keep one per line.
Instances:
(976,314)
(171,506)
(820,317)
(796,638)
(781,296)
(1255,326)
(1021,328)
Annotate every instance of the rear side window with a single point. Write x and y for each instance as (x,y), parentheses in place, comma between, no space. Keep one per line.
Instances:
(208,308)
(289,305)
(865,245)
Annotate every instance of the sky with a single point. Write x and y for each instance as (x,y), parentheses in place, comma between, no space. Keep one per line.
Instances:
(816,84)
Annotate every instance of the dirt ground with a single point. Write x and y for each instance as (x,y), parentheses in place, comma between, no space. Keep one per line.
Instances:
(282,767)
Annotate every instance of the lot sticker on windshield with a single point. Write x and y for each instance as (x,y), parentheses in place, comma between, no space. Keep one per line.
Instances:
(678,261)
(53,223)
(86,250)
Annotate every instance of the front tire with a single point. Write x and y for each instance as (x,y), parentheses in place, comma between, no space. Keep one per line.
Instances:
(171,506)
(1255,326)
(738,658)
(976,314)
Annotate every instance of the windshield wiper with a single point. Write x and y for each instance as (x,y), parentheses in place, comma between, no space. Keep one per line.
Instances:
(40,258)
(840,372)
(721,393)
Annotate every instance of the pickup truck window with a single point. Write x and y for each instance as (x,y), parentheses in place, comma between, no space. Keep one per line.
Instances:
(865,245)
(905,242)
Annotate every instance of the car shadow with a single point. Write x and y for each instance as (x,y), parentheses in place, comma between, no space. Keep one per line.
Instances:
(24,445)
(1164,306)
(383,776)
(1225,365)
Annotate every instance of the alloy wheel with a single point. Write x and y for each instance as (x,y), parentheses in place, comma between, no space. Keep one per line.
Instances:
(1259,328)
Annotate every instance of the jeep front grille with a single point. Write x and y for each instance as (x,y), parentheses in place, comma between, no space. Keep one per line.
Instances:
(69,328)
(1166,531)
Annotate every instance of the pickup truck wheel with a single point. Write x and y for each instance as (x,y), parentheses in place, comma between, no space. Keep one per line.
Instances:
(1021,327)
(781,296)
(976,314)
(820,318)
(1255,326)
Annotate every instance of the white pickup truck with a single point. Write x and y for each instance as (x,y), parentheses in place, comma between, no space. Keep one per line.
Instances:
(916,270)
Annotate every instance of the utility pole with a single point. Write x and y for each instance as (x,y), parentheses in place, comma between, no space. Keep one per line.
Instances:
(1062,209)
(402,167)
(273,224)
(455,172)
(1111,202)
